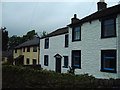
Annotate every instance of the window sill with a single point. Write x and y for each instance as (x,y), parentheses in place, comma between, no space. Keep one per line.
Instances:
(103,37)
(109,71)
(76,40)
(65,66)
(76,67)
(66,46)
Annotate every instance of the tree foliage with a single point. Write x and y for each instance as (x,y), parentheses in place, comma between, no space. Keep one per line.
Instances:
(4,39)
(16,40)
(44,33)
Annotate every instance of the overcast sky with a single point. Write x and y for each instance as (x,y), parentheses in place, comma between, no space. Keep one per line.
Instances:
(21,17)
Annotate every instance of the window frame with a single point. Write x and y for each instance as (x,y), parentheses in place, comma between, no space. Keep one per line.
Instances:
(23,49)
(46,47)
(78,51)
(34,48)
(33,61)
(73,31)
(103,69)
(66,66)
(27,61)
(66,40)
(15,50)
(46,60)
(28,49)
(102,27)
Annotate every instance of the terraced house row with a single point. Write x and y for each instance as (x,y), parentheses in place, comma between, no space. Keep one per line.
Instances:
(89,45)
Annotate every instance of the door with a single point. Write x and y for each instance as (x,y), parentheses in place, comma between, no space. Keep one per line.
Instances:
(58,65)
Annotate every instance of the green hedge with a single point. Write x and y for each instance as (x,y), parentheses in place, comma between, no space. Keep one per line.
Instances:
(24,77)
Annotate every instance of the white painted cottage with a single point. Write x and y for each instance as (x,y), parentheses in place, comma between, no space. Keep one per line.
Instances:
(90,45)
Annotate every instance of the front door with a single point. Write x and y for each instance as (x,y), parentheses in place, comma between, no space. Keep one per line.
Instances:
(58,65)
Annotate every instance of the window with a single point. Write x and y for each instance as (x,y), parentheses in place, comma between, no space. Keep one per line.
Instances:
(28,49)
(108,28)
(15,50)
(24,49)
(34,48)
(46,43)
(66,40)
(76,34)
(34,61)
(65,62)
(76,59)
(27,61)
(108,60)
(46,60)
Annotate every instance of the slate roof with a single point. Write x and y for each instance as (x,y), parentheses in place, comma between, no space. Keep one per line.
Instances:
(100,14)
(57,32)
(7,53)
(33,42)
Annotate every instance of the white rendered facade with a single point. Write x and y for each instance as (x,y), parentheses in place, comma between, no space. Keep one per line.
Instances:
(90,46)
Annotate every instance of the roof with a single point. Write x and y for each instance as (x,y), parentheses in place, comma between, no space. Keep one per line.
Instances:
(57,32)
(7,53)
(99,14)
(33,42)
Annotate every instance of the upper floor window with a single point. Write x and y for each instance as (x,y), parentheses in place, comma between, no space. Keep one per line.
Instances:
(66,40)
(76,58)
(46,60)
(108,60)
(47,43)
(108,28)
(34,48)
(76,34)
(28,49)
(65,61)
(23,49)
(15,50)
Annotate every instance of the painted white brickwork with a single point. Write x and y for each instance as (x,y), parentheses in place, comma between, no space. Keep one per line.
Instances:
(56,46)
(90,45)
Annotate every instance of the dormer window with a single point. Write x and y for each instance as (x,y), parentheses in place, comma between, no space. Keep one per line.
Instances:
(108,28)
(76,34)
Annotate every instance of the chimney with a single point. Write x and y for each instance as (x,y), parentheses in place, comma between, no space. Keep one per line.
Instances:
(101,5)
(74,19)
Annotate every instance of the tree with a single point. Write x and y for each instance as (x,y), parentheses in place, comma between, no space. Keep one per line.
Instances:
(4,39)
(44,33)
(30,35)
(16,40)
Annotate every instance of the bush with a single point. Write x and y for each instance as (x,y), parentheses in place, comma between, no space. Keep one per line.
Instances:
(24,77)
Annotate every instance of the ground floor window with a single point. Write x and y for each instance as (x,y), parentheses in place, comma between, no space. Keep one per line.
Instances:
(46,60)
(27,61)
(108,60)
(34,61)
(76,58)
(65,62)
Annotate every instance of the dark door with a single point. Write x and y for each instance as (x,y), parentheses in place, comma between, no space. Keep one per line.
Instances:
(58,65)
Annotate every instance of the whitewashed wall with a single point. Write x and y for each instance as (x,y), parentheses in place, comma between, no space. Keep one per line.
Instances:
(56,46)
(118,27)
(90,45)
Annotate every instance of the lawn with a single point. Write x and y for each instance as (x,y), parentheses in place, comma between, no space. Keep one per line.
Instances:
(23,77)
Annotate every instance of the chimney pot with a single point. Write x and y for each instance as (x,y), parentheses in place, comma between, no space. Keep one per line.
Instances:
(74,19)
(101,5)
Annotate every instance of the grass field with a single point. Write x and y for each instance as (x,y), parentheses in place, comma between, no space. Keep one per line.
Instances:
(22,77)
